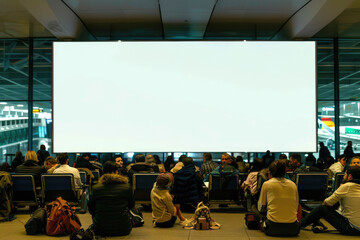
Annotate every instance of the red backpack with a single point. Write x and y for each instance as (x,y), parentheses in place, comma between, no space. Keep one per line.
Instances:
(61,219)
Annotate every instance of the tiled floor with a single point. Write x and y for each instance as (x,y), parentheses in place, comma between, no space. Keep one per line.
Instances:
(233,228)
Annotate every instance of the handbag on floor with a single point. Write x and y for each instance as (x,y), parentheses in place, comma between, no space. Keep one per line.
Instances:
(201,220)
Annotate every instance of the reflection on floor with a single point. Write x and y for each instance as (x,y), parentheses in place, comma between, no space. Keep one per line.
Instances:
(233,228)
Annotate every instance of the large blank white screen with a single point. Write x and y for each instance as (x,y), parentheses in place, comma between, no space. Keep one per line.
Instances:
(184,96)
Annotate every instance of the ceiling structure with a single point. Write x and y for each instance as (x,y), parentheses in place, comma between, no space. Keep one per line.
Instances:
(94,20)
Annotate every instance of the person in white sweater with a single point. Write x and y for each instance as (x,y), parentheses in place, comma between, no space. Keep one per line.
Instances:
(347,218)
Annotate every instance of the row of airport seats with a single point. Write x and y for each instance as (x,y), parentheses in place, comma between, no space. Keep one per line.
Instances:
(312,187)
(25,192)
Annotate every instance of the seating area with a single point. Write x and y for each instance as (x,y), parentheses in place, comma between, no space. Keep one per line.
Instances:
(52,186)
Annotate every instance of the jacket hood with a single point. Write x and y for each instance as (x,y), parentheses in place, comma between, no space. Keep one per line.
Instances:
(110,178)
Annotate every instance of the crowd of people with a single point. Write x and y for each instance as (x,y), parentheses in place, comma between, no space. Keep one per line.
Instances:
(275,204)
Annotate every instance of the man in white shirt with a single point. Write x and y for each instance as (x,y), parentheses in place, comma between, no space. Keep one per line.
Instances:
(347,218)
(64,167)
(279,198)
(338,166)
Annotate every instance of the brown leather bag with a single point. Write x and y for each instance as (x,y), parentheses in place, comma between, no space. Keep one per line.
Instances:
(61,219)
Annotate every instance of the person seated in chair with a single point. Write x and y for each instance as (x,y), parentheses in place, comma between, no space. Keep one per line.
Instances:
(84,162)
(110,202)
(50,164)
(64,167)
(164,212)
(337,167)
(355,161)
(140,166)
(225,168)
(279,198)
(347,218)
(119,161)
(298,167)
(30,166)
(208,166)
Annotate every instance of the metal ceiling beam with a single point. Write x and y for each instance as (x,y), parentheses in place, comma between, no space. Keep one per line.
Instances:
(313,17)
(58,18)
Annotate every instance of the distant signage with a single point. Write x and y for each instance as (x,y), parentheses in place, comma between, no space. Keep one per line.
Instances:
(352,131)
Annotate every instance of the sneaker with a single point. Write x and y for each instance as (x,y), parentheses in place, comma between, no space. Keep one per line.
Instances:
(318,229)
(184,223)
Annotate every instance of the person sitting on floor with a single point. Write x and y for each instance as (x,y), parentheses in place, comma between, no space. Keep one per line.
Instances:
(279,198)
(187,186)
(347,218)
(110,202)
(164,212)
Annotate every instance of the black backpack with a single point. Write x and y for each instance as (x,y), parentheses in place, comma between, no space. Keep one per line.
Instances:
(136,217)
(37,222)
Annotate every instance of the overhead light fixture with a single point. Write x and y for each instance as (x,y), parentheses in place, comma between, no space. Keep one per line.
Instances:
(3,103)
(20,105)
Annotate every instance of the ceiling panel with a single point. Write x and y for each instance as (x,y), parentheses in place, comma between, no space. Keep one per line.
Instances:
(16,22)
(346,25)
(136,19)
(254,19)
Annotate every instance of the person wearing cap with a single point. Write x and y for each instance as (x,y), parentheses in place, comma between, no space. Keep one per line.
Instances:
(164,212)
(347,219)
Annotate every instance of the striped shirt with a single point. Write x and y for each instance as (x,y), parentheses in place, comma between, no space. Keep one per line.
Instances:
(207,167)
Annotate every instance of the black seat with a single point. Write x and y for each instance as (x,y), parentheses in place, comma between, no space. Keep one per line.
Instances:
(24,189)
(339,176)
(142,185)
(312,186)
(59,185)
(223,188)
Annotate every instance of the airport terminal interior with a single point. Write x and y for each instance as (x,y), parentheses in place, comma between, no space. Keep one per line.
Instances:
(28,30)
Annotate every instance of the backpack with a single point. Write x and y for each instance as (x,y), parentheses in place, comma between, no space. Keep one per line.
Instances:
(201,220)
(251,222)
(37,222)
(62,219)
(136,217)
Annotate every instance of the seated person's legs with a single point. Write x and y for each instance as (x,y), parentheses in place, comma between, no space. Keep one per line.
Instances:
(331,216)
(179,213)
(169,223)
(281,229)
